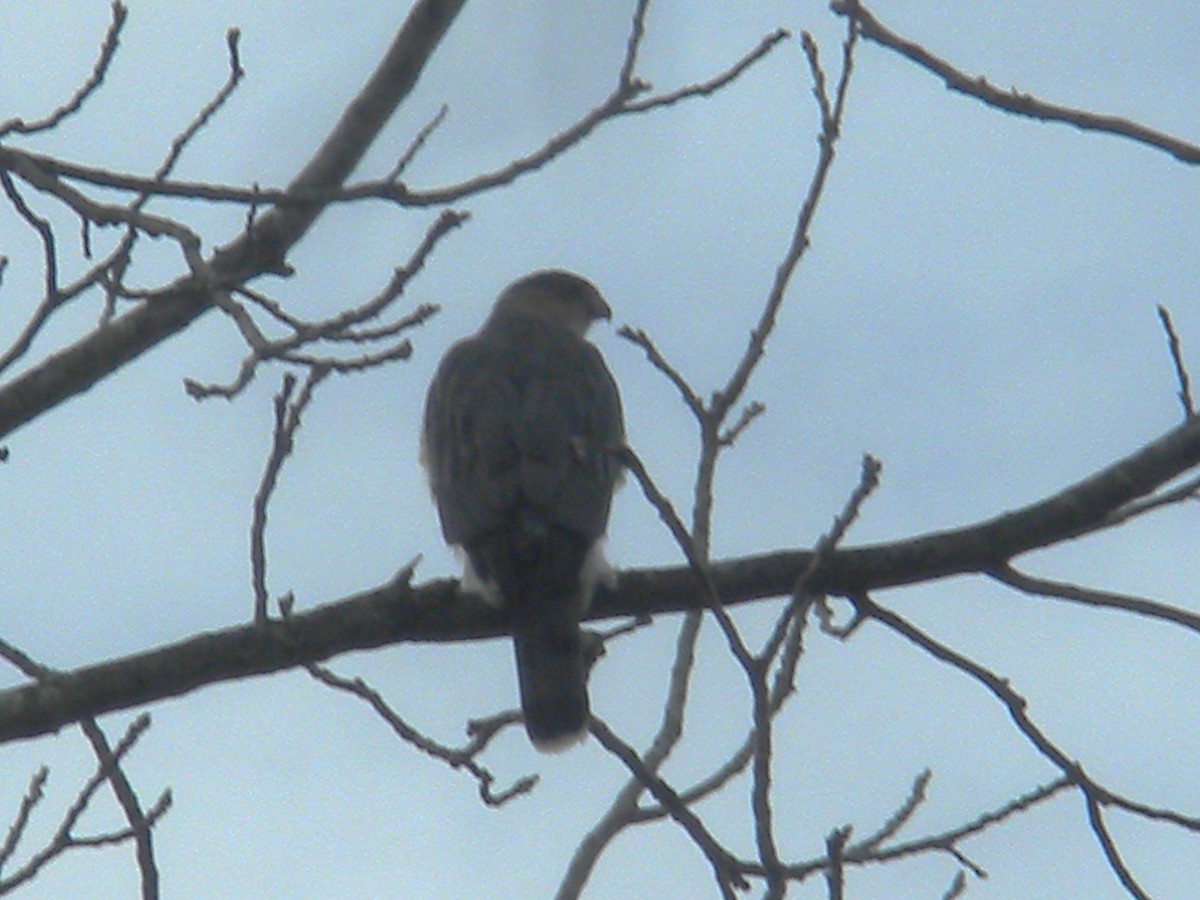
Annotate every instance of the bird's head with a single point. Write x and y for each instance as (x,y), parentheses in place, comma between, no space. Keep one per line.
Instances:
(559,297)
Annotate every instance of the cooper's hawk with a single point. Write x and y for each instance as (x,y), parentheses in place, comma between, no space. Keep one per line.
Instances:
(522,423)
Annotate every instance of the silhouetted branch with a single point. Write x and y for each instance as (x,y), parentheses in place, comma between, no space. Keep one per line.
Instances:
(1094,794)
(108,49)
(726,869)
(458,758)
(712,85)
(1012,100)
(297,195)
(52,297)
(33,796)
(262,249)
(1111,853)
(64,837)
(396,612)
(341,327)
(1061,590)
(1181,373)
(835,845)
(287,421)
(140,826)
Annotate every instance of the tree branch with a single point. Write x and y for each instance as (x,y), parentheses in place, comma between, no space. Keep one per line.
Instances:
(434,612)
(260,250)
(1012,101)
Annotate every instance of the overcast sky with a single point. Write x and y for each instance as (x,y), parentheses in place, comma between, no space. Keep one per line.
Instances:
(977,310)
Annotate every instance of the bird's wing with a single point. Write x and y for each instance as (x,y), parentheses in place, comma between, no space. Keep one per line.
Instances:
(522,415)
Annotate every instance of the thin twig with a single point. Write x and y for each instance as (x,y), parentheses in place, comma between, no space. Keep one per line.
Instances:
(831,123)
(639,338)
(105,214)
(462,758)
(287,421)
(694,555)
(340,327)
(750,412)
(32,797)
(865,851)
(620,102)
(958,886)
(901,817)
(835,876)
(52,297)
(712,85)
(202,118)
(108,49)
(64,838)
(417,143)
(1181,372)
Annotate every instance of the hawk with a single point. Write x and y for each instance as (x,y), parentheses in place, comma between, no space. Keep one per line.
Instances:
(522,422)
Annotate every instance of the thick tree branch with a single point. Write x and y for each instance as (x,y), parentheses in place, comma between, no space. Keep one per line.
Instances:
(398,613)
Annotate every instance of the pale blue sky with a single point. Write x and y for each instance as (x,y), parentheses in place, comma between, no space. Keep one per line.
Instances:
(977,310)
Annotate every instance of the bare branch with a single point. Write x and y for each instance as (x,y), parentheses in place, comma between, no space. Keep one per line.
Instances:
(302,194)
(399,351)
(64,838)
(1189,489)
(236,73)
(831,123)
(417,143)
(997,686)
(139,824)
(624,810)
(340,327)
(287,420)
(1111,854)
(52,297)
(901,817)
(633,44)
(103,214)
(639,338)
(835,877)
(108,49)
(749,413)
(957,887)
(868,481)
(1181,373)
(1012,100)
(695,556)
(1094,794)
(712,85)
(866,851)
(394,613)
(726,869)
(1043,587)
(463,758)
(77,367)
(782,687)
(33,796)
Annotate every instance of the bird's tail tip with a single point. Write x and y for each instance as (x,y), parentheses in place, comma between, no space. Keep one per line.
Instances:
(553,681)
(557,743)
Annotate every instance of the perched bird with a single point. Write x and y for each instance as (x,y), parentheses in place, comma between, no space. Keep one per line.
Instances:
(522,424)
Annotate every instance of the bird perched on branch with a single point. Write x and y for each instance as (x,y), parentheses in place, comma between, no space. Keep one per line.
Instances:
(522,424)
